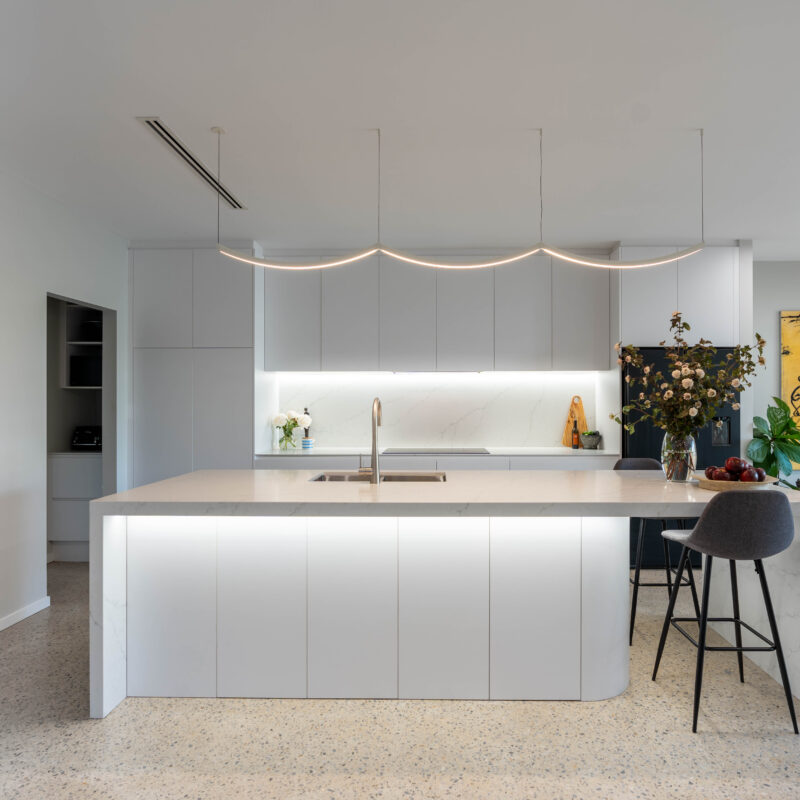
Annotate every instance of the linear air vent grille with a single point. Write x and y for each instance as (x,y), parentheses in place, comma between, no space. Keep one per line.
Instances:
(180,149)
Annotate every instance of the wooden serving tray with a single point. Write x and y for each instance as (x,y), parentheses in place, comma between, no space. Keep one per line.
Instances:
(726,486)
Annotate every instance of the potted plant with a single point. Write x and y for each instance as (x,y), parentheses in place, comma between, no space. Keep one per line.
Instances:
(590,439)
(777,443)
(688,395)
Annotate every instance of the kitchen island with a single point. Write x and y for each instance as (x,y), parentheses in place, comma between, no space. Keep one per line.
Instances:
(252,583)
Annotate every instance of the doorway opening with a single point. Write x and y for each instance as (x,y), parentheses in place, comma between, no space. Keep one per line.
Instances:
(81,420)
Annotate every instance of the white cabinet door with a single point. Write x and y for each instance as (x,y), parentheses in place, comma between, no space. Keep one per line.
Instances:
(407,317)
(708,295)
(223,408)
(352,607)
(444,608)
(307,462)
(78,476)
(472,462)
(647,297)
(465,320)
(172,607)
(292,309)
(571,463)
(402,462)
(351,316)
(162,298)
(535,608)
(261,607)
(522,315)
(68,520)
(222,291)
(581,317)
(162,413)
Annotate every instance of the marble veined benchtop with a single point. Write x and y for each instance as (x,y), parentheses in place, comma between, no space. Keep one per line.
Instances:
(546,493)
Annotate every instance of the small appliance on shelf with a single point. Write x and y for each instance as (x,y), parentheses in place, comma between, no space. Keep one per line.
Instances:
(87,439)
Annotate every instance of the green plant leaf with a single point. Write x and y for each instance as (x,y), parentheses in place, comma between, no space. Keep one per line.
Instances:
(784,464)
(757,451)
(760,424)
(782,405)
(790,449)
(770,466)
(778,419)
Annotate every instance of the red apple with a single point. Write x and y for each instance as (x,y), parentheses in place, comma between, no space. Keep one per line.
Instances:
(748,475)
(710,472)
(761,474)
(735,465)
(721,475)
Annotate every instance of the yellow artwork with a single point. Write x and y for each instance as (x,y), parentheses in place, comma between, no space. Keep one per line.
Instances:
(790,363)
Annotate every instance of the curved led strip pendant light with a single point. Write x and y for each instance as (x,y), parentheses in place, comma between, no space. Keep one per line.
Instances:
(562,255)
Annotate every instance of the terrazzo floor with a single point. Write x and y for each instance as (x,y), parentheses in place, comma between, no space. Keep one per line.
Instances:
(638,745)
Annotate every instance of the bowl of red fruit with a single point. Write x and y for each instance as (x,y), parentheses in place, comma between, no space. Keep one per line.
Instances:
(735,474)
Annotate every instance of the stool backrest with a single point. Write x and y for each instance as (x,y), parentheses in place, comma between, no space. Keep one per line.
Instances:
(637,463)
(744,525)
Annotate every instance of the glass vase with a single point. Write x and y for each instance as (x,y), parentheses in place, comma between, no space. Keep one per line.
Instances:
(678,457)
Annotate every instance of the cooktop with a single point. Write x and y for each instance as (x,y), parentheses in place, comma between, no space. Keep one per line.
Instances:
(436,451)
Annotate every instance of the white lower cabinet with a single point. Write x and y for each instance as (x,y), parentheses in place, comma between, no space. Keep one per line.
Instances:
(444,608)
(261,607)
(352,607)
(535,608)
(172,607)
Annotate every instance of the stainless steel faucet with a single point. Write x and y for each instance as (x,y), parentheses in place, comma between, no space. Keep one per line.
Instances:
(376,422)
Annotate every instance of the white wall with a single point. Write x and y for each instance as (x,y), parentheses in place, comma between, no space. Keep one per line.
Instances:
(46,248)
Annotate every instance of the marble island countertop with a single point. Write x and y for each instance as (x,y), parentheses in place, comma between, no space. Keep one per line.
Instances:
(544,493)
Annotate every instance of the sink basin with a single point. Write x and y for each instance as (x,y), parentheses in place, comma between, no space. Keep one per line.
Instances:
(386,477)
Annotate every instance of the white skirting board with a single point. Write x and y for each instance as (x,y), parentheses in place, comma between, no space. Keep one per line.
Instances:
(22,613)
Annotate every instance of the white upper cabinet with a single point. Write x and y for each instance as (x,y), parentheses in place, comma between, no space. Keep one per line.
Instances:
(292,303)
(222,292)
(223,408)
(162,298)
(407,317)
(522,315)
(648,297)
(708,295)
(465,320)
(350,316)
(581,314)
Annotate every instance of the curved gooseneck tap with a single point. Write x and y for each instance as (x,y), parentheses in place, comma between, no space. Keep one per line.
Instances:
(377,420)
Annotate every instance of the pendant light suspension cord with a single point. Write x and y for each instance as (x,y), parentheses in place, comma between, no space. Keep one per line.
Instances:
(219,176)
(378,131)
(541,195)
(702,190)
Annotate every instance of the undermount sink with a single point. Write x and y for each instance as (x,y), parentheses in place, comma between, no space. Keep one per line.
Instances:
(386,477)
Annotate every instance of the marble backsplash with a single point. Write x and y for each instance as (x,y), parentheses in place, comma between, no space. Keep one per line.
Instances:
(487,409)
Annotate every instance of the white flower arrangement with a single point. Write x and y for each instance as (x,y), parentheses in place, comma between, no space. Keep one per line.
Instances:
(286,424)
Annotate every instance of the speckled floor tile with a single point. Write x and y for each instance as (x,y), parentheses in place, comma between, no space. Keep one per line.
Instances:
(638,745)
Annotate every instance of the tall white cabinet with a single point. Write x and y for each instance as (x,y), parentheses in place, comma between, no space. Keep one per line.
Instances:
(192,312)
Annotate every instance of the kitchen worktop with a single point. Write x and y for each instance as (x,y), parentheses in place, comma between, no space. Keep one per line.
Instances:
(491,451)
(465,493)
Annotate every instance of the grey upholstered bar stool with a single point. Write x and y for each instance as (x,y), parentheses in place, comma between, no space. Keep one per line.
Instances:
(740,526)
(651,464)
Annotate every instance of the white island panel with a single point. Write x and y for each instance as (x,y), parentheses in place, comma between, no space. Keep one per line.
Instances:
(444,608)
(261,607)
(535,608)
(172,614)
(352,607)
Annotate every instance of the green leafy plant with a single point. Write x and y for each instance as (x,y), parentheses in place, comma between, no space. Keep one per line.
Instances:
(591,433)
(777,442)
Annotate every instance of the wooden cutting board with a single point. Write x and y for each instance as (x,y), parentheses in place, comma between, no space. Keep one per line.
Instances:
(576,413)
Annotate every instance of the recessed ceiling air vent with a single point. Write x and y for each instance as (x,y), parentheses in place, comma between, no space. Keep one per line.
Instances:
(180,149)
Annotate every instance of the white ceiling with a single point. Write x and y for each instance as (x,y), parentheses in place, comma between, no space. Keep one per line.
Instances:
(457,87)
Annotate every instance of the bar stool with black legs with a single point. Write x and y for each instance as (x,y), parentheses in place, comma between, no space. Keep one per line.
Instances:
(739,526)
(651,464)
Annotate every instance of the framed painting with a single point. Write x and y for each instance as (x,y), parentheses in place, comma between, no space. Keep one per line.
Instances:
(790,363)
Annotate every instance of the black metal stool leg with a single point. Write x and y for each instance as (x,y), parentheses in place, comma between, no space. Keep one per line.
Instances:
(693,587)
(737,626)
(776,638)
(667,565)
(637,570)
(701,641)
(670,608)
